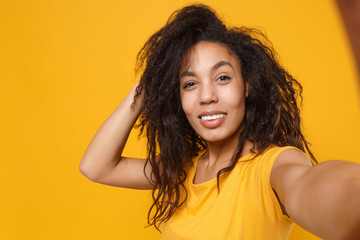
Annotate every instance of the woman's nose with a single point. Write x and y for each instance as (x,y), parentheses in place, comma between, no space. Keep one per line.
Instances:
(207,94)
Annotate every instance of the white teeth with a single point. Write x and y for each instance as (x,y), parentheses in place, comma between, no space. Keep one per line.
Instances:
(213,117)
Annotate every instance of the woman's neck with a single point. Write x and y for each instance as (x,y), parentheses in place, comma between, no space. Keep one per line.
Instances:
(221,153)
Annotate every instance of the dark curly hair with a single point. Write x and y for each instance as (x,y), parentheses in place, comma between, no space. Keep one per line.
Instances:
(272,114)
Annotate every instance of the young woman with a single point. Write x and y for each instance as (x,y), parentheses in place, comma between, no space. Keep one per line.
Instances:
(226,155)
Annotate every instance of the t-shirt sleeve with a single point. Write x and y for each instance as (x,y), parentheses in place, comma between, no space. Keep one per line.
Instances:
(266,164)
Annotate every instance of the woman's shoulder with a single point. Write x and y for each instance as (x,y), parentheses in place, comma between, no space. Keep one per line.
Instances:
(275,150)
(268,157)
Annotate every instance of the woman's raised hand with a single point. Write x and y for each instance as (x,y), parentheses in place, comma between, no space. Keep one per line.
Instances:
(103,161)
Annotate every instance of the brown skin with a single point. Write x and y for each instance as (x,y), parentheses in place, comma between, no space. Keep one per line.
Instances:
(103,161)
(212,84)
(323,199)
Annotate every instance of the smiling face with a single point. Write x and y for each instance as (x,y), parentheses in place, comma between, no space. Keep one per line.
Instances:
(212,92)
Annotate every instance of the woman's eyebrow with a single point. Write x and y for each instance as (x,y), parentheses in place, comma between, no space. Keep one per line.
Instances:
(187,73)
(220,64)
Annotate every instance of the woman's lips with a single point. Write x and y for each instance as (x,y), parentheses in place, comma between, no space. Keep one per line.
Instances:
(212,119)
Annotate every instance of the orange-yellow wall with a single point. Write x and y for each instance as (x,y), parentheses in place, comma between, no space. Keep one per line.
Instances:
(65,65)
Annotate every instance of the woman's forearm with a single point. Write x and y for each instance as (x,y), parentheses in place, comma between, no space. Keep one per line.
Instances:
(327,201)
(104,152)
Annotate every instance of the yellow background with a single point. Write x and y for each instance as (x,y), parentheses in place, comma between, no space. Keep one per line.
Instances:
(65,65)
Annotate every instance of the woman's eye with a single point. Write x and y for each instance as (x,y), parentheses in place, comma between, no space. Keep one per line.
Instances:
(224,78)
(188,85)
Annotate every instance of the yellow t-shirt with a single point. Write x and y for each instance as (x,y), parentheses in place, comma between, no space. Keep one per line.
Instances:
(245,208)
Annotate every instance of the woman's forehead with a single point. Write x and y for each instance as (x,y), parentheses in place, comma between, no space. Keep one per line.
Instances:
(211,52)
